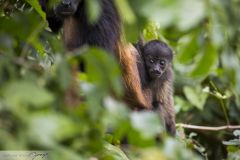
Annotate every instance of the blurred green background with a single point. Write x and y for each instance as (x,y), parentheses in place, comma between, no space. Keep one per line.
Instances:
(38,110)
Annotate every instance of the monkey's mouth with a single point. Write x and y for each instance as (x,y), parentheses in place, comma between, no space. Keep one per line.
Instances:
(66,13)
(158,75)
(155,75)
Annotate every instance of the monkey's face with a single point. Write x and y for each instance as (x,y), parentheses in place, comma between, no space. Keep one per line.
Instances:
(67,7)
(156,66)
(157,56)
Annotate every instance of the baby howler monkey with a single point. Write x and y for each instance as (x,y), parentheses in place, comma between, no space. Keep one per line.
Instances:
(155,68)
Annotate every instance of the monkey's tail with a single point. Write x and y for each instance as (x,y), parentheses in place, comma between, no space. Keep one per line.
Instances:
(134,94)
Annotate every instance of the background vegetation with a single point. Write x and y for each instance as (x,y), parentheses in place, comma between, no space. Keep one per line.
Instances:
(39,108)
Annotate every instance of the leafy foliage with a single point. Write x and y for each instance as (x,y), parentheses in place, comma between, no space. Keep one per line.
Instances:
(39,100)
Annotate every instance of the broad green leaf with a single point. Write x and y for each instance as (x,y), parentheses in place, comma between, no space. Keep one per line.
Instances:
(118,122)
(50,128)
(217,32)
(24,92)
(28,26)
(93,10)
(173,12)
(236,133)
(187,49)
(189,13)
(114,152)
(151,32)
(234,155)
(35,4)
(181,104)
(232,148)
(103,70)
(125,10)
(7,142)
(233,142)
(196,96)
(147,123)
(206,63)
(62,152)
(174,149)
(114,108)
(162,12)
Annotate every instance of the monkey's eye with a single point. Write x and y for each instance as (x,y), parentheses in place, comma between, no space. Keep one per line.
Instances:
(162,62)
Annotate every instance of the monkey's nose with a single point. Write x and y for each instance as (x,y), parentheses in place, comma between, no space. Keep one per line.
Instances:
(156,71)
(66,3)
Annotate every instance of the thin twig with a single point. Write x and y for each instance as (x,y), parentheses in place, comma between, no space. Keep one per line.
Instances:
(224,108)
(207,127)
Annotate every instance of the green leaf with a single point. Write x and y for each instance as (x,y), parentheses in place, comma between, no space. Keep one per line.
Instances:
(35,4)
(195,96)
(206,62)
(147,123)
(64,74)
(187,49)
(189,13)
(234,155)
(125,10)
(103,71)
(236,133)
(233,142)
(50,128)
(60,152)
(181,104)
(114,152)
(174,149)
(162,12)
(172,12)
(231,148)
(151,31)
(114,108)
(93,10)
(118,122)
(24,92)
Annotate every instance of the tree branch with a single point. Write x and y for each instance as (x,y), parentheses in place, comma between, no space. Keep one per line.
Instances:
(194,127)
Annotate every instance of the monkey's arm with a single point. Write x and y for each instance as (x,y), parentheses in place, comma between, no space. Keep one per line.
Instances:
(170,117)
(166,106)
(54,22)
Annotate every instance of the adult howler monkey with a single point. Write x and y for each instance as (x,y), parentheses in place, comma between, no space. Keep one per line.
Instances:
(155,69)
(105,33)
(77,31)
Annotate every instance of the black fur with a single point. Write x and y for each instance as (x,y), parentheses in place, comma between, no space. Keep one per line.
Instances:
(54,22)
(104,33)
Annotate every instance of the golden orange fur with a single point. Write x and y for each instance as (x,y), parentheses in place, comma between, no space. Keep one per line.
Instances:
(134,94)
